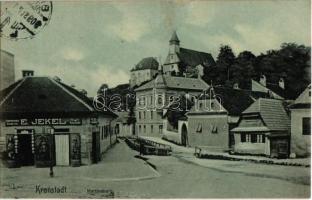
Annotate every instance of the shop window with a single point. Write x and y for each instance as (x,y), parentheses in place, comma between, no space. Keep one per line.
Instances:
(243,137)
(199,128)
(253,138)
(306,126)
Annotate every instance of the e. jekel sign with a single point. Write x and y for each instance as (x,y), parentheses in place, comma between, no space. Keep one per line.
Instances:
(43,121)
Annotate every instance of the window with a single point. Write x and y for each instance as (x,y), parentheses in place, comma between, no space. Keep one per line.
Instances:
(243,137)
(160,128)
(152,129)
(159,99)
(151,114)
(139,128)
(144,114)
(306,126)
(199,128)
(263,138)
(151,98)
(139,115)
(253,138)
(214,129)
(144,129)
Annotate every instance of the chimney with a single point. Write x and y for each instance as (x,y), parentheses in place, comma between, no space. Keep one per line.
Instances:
(236,86)
(263,80)
(27,73)
(281,83)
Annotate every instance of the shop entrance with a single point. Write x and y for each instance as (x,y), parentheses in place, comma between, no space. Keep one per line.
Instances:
(62,150)
(26,156)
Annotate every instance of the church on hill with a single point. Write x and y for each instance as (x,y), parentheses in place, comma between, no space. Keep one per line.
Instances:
(179,62)
(184,61)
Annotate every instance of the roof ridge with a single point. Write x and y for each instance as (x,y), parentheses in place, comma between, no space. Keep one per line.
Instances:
(13,90)
(71,94)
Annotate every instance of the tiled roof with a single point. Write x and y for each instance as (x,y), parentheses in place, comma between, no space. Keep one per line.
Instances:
(175,82)
(146,63)
(44,95)
(193,58)
(272,112)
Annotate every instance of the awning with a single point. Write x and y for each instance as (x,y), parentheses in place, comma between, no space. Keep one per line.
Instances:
(251,129)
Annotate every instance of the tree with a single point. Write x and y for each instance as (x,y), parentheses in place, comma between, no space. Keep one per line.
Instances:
(243,69)
(225,60)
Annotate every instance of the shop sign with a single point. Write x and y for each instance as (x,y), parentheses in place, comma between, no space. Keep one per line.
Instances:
(43,121)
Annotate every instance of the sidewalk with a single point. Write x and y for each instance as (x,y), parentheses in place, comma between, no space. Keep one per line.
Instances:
(118,164)
(303,162)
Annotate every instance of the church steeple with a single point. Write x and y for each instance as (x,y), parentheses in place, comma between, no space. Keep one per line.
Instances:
(174,39)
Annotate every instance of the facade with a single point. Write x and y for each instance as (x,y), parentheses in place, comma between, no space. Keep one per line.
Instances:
(145,70)
(301,125)
(7,69)
(44,120)
(208,125)
(263,129)
(120,125)
(156,95)
(184,61)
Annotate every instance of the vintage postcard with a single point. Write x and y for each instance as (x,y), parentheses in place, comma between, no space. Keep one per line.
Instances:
(155,99)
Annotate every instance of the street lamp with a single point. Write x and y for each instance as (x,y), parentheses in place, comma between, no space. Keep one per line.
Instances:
(51,153)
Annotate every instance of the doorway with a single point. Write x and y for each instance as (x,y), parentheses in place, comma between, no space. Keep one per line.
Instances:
(26,156)
(96,156)
(62,150)
(184,138)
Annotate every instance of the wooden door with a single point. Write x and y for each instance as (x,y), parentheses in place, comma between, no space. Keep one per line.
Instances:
(62,150)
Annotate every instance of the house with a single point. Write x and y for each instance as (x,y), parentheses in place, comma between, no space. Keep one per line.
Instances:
(263,129)
(157,94)
(301,125)
(215,112)
(189,62)
(275,88)
(121,126)
(145,70)
(43,120)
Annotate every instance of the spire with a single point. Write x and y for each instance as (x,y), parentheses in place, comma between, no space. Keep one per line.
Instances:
(174,39)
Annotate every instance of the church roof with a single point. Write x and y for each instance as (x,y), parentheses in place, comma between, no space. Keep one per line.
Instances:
(167,81)
(146,63)
(193,58)
(43,95)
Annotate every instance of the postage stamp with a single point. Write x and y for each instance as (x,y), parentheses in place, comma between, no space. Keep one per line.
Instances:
(22,20)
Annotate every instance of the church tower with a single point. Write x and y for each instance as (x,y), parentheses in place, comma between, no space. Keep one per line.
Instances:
(174,44)
(171,63)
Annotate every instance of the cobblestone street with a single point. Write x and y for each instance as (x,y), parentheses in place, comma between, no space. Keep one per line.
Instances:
(122,175)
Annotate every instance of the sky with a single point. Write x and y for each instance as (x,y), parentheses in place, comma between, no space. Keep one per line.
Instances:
(91,43)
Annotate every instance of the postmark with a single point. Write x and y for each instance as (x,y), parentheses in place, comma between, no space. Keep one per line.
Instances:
(23,20)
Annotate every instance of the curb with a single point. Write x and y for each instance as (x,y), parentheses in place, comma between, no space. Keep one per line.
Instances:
(270,162)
